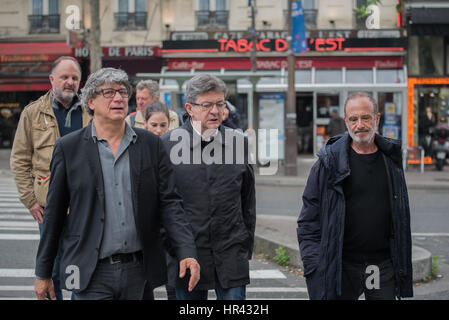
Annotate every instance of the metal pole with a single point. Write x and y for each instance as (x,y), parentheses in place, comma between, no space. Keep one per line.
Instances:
(291,151)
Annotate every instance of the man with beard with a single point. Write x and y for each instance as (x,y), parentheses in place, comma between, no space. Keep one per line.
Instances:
(354,227)
(53,115)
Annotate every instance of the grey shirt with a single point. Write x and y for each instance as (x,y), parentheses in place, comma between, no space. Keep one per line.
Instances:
(119,233)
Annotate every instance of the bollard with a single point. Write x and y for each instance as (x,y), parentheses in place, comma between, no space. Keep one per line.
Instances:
(422,160)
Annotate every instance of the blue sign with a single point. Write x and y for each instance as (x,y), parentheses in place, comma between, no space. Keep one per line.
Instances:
(299,41)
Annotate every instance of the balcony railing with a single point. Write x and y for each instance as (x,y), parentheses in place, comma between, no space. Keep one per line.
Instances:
(44,24)
(212,19)
(309,17)
(360,23)
(130,20)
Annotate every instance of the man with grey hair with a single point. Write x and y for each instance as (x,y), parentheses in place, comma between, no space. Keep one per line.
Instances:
(354,227)
(147,92)
(218,196)
(111,244)
(53,115)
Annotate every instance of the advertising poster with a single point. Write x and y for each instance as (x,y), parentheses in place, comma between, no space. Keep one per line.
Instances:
(271,116)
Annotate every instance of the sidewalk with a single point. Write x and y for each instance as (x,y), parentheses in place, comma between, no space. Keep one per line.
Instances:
(430,179)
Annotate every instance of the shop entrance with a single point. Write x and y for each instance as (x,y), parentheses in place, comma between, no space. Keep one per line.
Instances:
(304,122)
(432,109)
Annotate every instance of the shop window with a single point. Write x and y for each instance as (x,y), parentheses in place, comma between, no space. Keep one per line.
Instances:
(212,14)
(328,76)
(447,56)
(390,108)
(390,76)
(426,55)
(303,76)
(327,104)
(131,15)
(359,76)
(44,17)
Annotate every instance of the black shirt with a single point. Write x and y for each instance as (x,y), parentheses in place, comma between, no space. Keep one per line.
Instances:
(368,217)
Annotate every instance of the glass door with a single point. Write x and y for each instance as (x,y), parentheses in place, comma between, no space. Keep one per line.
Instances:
(326,106)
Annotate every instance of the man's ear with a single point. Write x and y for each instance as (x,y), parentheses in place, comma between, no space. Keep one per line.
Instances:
(90,104)
(188,107)
(51,79)
(377,118)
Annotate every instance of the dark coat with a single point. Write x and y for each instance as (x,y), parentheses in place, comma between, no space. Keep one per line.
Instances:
(76,183)
(322,219)
(219,201)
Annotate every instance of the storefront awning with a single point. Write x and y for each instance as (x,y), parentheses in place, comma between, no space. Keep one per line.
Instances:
(429,21)
(33,51)
(25,66)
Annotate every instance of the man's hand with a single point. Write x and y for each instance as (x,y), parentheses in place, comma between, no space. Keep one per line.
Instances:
(192,264)
(42,286)
(37,212)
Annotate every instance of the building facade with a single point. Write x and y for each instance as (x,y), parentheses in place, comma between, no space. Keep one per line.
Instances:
(346,53)
(428,67)
(171,40)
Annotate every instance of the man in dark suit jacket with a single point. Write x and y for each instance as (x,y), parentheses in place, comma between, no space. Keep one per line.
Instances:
(111,188)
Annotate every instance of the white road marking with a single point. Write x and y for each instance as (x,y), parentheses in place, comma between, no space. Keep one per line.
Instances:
(17,224)
(15,236)
(266,274)
(430,234)
(17,273)
(13,216)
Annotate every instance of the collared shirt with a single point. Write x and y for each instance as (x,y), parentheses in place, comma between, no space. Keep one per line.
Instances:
(119,233)
(68,121)
(203,138)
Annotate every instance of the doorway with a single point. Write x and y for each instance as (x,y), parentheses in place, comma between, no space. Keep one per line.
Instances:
(304,122)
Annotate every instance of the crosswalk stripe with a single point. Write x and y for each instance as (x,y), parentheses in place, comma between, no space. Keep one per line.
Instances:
(274,289)
(16,236)
(20,229)
(14,210)
(17,273)
(16,288)
(12,205)
(9,216)
(266,274)
(17,224)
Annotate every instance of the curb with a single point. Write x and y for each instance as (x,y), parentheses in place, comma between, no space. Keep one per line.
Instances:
(421,258)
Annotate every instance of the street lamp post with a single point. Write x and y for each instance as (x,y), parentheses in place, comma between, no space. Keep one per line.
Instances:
(290,123)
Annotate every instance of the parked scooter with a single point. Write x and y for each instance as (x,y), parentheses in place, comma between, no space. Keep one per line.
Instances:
(440,145)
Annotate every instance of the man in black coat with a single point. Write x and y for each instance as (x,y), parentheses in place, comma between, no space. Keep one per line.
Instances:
(217,185)
(111,188)
(354,227)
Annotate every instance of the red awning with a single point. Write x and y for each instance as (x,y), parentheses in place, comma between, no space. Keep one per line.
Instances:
(33,51)
(24,64)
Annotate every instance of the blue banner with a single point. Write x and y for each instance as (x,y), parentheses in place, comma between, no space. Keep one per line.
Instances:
(299,41)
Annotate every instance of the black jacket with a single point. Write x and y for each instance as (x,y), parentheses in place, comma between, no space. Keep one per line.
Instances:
(322,219)
(76,183)
(219,201)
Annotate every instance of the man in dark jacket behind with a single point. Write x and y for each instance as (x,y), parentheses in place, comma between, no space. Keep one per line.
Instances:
(217,185)
(354,228)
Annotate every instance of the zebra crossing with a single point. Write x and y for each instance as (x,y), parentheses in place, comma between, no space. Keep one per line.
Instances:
(19,238)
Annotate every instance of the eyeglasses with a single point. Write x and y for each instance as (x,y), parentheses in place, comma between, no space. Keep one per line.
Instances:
(209,105)
(110,93)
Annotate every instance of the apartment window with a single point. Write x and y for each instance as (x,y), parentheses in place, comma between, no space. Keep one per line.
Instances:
(212,14)
(310,14)
(359,21)
(44,16)
(131,15)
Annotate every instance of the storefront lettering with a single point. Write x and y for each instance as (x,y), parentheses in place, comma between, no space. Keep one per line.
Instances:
(328,44)
(140,51)
(243,45)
